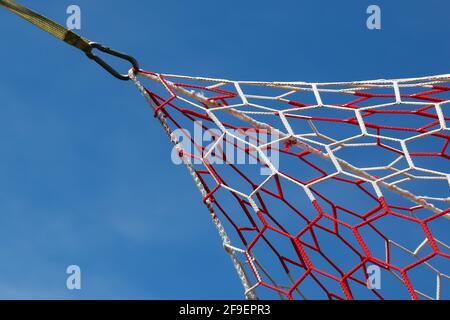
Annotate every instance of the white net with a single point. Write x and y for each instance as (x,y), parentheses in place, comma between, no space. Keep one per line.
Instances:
(319,190)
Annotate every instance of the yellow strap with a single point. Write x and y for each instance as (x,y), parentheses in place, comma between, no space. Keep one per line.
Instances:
(47,25)
(71,38)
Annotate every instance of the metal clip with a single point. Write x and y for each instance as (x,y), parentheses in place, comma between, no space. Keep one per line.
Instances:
(106,66)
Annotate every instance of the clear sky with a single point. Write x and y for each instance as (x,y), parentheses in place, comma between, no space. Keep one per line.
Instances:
(85,172)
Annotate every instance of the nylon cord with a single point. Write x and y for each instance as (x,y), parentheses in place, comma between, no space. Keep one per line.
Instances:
(49,26)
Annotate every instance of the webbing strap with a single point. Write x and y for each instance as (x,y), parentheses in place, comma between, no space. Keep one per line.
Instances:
(47,25)
(70,37)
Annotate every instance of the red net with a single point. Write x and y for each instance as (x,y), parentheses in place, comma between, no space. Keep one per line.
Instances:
(323,191)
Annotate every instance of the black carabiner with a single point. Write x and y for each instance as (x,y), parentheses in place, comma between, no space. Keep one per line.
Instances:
(106,66)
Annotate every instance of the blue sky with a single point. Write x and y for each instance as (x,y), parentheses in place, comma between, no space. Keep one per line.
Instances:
(85,173)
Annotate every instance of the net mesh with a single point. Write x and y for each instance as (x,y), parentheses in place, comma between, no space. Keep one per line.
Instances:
(319,190)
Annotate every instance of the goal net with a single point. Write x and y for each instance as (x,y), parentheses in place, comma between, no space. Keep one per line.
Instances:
(319,190)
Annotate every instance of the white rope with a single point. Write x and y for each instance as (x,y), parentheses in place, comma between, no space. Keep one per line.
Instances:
(261,125)
(250,294)
(306,143)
